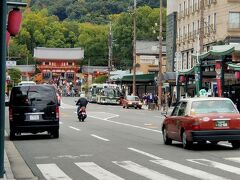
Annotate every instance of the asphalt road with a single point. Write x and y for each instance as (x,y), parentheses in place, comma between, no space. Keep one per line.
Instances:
(115,143)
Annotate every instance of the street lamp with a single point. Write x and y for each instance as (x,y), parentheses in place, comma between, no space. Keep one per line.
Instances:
(3,15)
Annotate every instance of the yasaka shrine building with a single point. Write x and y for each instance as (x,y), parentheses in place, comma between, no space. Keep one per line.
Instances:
(58,63)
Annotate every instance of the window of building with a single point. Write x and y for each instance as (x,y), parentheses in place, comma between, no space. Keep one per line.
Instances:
(214,21)
(184,7)
(46,63)
(209,23)
(234,20)
(193,27)
(180,8)
(70,63)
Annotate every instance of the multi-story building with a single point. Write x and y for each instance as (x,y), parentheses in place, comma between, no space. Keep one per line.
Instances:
(221,26)
(147,57)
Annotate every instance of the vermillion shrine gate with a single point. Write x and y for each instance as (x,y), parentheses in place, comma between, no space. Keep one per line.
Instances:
(58,63)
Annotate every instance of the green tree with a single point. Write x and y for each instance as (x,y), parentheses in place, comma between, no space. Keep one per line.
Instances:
(15,75)
(100,79)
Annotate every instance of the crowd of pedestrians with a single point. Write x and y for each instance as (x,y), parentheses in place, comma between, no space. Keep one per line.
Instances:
(151,101)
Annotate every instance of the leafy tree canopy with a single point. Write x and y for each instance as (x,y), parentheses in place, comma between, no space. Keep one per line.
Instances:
(96,11)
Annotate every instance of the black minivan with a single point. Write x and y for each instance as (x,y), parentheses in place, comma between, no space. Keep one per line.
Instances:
(33,109)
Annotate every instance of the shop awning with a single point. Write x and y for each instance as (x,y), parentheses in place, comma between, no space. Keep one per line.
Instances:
(139,78)
(217,51)
(187,71)
(235,67)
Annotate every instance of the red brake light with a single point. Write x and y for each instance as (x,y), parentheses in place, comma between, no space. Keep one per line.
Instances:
(10,114)
(57,112)
(196,125)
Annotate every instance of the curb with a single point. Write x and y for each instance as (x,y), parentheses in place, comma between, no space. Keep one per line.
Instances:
(16,167)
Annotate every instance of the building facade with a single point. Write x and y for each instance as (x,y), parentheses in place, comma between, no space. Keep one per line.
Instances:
(147,57)
(58,63)
(221,26)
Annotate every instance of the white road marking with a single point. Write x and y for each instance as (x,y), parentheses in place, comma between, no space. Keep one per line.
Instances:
(99,137)
(60,122)
(67,106)
(52,171)
(148,124)
(188,170)
(129,125)
(214,164)
(97,172)
(74,128)
(96,116)
(159,116)
(144,153)
(143,171)
(234,159)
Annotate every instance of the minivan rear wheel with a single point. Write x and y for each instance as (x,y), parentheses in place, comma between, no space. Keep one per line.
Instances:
(55,134)
(12,135)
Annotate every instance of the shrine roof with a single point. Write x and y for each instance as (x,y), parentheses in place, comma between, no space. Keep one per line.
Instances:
(58,53)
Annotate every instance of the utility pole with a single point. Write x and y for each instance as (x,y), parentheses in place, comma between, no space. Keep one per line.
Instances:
(110,46)
(134,48)
(3,14)
(201,35)
(198,73)
(160,58)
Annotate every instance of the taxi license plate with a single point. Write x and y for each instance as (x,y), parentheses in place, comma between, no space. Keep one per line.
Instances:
(221,124)
(34,117)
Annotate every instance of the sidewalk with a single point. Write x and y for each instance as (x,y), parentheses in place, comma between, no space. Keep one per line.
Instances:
(169,109)
(14,165)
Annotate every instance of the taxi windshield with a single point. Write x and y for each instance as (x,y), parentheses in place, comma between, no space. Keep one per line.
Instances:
(213,106)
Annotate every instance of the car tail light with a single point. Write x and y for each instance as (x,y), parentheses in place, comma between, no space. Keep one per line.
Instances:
(57,112)
(196,125)
(10,114)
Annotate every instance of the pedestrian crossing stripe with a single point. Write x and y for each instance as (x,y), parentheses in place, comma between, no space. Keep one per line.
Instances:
(233,159)
(217,165)
(188,170)
(143,171)
(97,172)
(52,171)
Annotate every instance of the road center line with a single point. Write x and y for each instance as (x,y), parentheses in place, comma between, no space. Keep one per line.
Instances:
(144,153)
(99,137)
(124,124)
(74,128)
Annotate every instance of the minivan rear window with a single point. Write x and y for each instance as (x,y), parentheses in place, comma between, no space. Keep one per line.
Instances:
(33,95)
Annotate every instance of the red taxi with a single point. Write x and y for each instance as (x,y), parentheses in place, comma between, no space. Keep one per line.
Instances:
(201,120)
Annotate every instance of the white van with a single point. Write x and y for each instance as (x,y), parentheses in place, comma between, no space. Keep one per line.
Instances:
(26,83)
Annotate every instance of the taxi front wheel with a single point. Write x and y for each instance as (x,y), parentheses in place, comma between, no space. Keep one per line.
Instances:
(235,144)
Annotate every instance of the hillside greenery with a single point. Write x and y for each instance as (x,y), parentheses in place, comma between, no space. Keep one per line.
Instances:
(42,29)
(95,11)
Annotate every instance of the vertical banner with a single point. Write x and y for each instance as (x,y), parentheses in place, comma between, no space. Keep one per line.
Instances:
(218,69)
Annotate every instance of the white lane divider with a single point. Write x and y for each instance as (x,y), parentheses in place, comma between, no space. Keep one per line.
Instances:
(74,128)
(98,137)
(217,165)
(97,172)
(142,171)
(144,153)
(234,159)
(130,125)
(52,171)
(188,170)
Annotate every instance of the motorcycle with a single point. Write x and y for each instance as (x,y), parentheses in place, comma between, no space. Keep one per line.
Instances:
(82,115)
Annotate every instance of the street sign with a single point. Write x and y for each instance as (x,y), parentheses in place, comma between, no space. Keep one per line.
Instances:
(203,92)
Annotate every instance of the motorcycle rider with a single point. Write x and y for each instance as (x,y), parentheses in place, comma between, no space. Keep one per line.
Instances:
(82,102)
